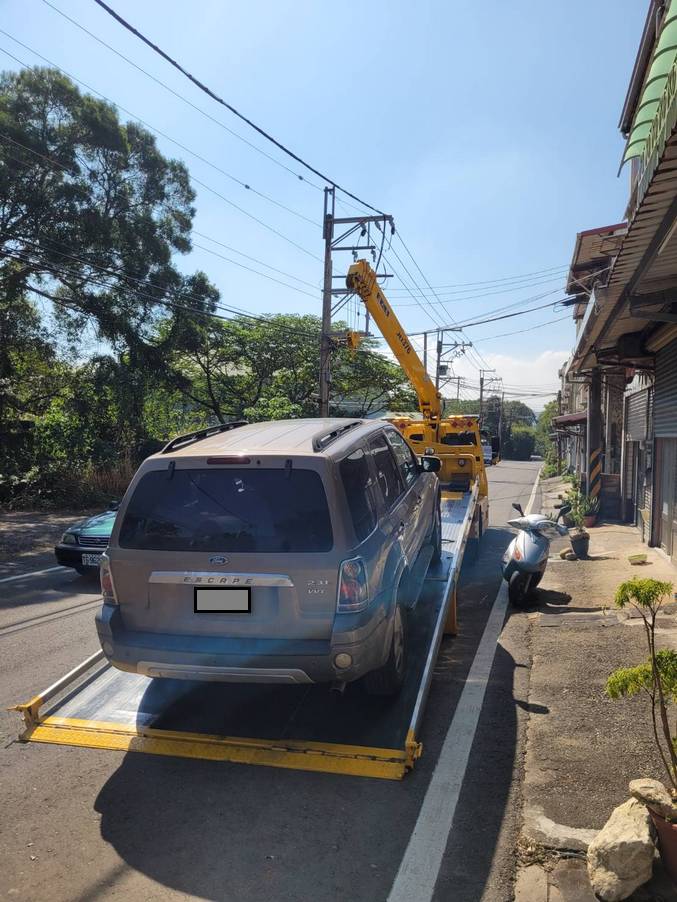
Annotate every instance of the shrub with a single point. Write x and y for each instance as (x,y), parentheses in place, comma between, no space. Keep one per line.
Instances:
(657,677)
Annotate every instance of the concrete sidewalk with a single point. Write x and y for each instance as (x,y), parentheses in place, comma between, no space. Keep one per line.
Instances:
(582,748)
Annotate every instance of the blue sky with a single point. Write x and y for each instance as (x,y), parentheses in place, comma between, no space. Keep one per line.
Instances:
(488,130)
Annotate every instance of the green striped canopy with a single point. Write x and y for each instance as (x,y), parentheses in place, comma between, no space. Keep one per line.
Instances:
(661,64)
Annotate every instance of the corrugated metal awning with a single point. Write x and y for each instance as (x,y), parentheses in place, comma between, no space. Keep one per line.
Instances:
(662,62)
(571,419)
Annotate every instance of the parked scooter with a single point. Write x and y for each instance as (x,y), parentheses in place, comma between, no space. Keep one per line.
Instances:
(526,557)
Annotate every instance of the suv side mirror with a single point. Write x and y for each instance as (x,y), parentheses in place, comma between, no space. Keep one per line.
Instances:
(518,507)
(114,505)
(430,464)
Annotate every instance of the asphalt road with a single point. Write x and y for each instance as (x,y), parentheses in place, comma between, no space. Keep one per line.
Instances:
(80,824)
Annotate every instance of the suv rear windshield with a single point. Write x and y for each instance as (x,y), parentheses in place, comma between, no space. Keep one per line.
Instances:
(249,510)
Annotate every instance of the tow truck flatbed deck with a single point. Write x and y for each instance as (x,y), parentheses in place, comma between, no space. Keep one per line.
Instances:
(302,727)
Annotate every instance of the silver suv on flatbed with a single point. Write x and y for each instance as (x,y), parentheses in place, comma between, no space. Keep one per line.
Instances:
(274,552)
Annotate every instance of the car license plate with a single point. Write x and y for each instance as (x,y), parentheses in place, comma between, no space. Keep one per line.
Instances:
(218,600)
(91,560)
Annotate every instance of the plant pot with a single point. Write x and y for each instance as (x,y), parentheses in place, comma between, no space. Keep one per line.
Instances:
(580,544)
(589,520)
(667,843)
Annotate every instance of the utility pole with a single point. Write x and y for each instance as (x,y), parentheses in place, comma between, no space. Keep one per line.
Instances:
(362,225)
(325,340)
(482,372)
(559,437)
(500,419)
(440,336)
(455,348)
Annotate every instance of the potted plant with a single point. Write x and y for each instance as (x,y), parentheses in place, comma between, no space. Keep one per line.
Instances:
(580,539)
(656,678)
(589,510)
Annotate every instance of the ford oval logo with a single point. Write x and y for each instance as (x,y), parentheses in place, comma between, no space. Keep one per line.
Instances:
(218,559)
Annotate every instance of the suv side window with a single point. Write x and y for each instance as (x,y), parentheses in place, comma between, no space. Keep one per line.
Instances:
(357,484)
(387,474)
(406,462)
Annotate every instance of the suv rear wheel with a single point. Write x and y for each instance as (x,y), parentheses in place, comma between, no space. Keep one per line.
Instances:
(388,680)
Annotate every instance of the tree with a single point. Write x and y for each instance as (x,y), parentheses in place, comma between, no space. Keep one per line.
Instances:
(365,382)
(225,368)
(519,445)
(544,444)
(268,369)
(90,216)
(90,210)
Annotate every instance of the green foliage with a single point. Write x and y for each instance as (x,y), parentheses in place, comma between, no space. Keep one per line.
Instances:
(658,676)
(275,408)
(644,593)
(92,215)
(582,505)
(549,469)
(520,444)
(629,681)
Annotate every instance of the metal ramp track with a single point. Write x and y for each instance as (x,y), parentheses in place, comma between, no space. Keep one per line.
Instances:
(96,706)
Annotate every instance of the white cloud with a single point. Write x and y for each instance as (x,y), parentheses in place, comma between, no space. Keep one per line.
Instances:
(521,375)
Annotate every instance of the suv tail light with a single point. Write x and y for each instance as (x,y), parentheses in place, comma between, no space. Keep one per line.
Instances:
(353,592)
(107,589)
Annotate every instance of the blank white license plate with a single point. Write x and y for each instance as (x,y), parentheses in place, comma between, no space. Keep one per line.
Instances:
(216,600)
(91,560)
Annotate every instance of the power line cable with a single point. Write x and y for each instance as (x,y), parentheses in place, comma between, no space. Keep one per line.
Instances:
(228,106)
(482,293)
(171,90)
(153,128)
(231,203)
(70,172)
(481,322)
(121,274)
(536,273)
(473,353)
(550,322)
(99,281)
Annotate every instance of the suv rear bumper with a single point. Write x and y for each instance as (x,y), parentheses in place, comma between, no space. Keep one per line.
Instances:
(204,658)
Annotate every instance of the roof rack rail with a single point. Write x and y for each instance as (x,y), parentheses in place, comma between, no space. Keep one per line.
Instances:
(323,439)
(190,437)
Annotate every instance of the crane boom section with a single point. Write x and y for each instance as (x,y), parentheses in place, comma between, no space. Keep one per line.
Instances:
(361,279)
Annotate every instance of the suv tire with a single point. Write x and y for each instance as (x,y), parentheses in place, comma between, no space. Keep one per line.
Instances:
(388,680)
(518,588)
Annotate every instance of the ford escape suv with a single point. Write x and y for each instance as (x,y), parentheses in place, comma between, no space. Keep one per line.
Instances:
(275,552)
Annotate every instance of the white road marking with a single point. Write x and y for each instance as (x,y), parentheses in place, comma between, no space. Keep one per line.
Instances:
(420,866)
(8,579)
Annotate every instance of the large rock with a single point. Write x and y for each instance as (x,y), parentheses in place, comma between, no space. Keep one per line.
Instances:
(654,795)
(620,857)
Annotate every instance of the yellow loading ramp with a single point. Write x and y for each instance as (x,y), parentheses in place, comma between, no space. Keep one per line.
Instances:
(97,706)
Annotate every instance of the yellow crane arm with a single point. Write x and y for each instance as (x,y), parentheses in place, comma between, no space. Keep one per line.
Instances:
(361,279)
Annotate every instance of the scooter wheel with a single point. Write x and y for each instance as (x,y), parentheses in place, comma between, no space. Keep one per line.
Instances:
(518,588)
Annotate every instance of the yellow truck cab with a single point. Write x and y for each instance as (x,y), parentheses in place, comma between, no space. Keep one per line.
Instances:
(457,443)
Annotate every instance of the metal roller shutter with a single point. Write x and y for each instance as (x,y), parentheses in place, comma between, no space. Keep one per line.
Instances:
(636,416)
(665,393)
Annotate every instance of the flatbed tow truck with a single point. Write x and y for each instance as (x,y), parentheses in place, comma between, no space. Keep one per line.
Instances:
(305,727)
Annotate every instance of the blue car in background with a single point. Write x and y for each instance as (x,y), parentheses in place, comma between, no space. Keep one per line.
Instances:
(82,545)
